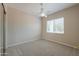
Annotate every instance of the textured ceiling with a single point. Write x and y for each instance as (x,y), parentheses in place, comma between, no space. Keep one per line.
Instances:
(34,8)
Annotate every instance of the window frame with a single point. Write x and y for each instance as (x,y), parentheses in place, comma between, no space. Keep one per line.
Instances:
(53,26)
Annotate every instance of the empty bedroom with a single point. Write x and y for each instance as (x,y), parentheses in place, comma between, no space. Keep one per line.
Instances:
(39,29)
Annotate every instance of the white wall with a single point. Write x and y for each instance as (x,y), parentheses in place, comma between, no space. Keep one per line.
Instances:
(21,27)
(71,27)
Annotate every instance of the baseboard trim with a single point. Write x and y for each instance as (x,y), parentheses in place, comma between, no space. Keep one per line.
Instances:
(20,43)
(62,43)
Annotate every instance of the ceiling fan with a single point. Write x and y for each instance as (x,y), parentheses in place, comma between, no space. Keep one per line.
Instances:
(42,14)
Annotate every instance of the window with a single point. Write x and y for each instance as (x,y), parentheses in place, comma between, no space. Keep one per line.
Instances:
(55,25)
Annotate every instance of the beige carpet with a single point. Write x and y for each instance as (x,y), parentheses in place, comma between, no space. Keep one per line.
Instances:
(41,48)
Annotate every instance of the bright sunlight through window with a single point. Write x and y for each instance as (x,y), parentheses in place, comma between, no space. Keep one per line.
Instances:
(55,25)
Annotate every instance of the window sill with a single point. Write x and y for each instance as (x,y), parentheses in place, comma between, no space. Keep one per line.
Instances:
(55,33)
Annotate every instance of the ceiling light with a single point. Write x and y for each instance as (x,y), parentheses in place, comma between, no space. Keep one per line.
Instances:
(43,15)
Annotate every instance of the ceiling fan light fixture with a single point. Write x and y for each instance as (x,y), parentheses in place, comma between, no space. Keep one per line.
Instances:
(42,11)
